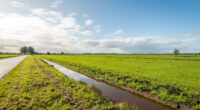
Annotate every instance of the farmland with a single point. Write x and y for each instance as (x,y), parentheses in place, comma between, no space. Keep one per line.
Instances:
(173,79)
(33,84)
(7,56)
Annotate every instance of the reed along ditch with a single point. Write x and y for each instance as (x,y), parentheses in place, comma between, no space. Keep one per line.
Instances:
(112,93)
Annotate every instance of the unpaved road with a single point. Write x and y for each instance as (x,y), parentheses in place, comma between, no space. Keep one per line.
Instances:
(7,65)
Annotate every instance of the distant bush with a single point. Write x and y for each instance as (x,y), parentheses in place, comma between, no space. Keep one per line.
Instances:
(176,52)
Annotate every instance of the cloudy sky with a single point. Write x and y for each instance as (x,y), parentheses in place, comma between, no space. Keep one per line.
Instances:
(96,26)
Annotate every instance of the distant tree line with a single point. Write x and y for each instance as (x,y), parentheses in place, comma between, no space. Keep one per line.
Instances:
(176,52)
(49,53)
(30,50)
(27,50)
(9,53)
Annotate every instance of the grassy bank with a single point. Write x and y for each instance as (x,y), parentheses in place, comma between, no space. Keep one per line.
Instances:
(173,79)
(7,56)
(35,85)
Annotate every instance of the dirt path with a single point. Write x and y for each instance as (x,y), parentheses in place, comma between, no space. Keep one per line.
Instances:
(7,65)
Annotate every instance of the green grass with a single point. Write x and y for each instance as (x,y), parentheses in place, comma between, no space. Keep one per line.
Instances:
(172,78)
(34,84)
(7,56)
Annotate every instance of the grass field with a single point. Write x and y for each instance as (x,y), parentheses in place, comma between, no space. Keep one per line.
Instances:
(7,56)
(35,85)
(171,78)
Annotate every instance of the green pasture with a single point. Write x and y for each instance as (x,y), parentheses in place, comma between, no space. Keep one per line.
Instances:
(172,78)
(7,56)
(34,84)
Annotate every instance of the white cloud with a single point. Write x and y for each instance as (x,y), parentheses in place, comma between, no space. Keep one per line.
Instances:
(187,34)
(85,15)
(147,44)
(43,12)
(69,22)
(37,31)
(16,4)
(72,14)
(88,22)
(117,32)
(56,17)
(87,33)
(48,30)
(56,3)
(97,28)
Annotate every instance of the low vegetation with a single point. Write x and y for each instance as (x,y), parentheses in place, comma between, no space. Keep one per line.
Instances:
(173,79)
(34,84)
(7,56)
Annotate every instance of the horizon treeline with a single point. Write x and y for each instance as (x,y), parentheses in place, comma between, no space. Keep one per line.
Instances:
(27,50)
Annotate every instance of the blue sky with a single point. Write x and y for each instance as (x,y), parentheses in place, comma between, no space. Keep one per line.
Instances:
(141,17)
(120,26)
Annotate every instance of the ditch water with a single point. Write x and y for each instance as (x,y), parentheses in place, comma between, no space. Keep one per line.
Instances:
(112,93)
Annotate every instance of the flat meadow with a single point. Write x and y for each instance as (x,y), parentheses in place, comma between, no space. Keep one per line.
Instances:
(7,56)
(171,78)
(33,84)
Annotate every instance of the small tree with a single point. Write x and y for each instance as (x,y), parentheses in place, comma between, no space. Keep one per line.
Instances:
(48,53)
(62,53)
(23,50)
(176,52)
(31,50)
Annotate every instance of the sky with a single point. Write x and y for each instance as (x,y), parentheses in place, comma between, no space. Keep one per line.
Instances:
(100,26)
